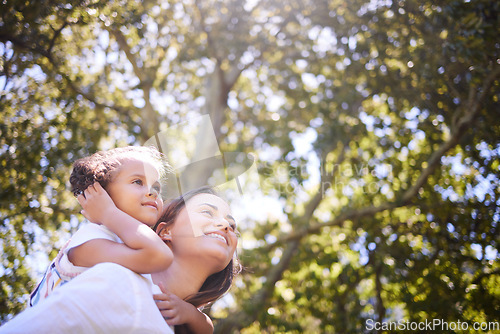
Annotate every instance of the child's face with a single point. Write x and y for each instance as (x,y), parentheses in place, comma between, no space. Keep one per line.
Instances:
(135,189)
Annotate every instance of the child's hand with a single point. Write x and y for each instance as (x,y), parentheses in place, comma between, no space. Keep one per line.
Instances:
(175,310)
(95,201)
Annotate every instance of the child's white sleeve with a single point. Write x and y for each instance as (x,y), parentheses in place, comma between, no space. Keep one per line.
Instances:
(85,233)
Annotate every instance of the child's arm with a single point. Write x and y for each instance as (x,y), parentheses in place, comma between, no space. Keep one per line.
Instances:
(178,312)
(143,251)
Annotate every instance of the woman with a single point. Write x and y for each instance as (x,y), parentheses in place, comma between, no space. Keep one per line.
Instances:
(205,245)
(108,298)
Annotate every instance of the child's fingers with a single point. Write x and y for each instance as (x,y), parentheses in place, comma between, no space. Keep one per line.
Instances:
(92,187)
(81,198)
(91,190)
(158,296)
(98,187)
(166,297)
(173,321)
(171,316)
(164,306)
(87,192)
(170,295)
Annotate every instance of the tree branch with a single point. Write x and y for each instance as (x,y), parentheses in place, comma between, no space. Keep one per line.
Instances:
(432,163)
(293,239)
(276,272)
(21,44)
(122,43)
(378,287)
(473,107)
(48,55)
(210,43)
(324,185)
(56,35)
(146,78)
(478,279)
(90,96)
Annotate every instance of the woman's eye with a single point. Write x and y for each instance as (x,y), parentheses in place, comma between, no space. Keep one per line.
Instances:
(139,182)
(234,229)
(157,188)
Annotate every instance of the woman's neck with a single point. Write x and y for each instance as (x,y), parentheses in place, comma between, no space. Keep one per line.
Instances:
(180,279)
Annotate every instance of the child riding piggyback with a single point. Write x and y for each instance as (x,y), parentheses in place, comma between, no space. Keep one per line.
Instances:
(119,191)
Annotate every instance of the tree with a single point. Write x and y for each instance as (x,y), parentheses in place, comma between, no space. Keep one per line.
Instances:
(392,211)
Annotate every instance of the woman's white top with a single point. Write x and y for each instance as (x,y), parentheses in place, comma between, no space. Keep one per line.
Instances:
(106,298)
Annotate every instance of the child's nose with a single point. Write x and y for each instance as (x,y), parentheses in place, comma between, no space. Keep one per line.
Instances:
(153,193)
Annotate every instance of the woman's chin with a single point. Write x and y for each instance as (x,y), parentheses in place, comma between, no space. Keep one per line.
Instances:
(218,259)
(218,268)
(213,259)
(214,256)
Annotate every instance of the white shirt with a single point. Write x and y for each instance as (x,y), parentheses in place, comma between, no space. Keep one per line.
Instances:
(106,298)
(61,270)
(85,233)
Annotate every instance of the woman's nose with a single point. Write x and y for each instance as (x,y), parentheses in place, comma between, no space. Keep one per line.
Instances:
(222,225)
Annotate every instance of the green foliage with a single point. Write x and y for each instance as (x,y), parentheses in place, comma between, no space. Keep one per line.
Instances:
(376,126)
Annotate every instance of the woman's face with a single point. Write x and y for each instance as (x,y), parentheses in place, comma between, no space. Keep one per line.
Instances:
(205,229)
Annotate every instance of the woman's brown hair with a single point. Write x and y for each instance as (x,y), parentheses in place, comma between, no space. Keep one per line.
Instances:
(216,284)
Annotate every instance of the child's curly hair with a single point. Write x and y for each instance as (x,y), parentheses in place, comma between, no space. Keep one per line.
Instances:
(101,165)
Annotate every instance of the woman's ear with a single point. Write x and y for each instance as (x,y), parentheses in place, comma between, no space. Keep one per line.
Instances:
(164,232)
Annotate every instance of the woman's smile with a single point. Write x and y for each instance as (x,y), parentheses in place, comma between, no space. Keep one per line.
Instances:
(217,235)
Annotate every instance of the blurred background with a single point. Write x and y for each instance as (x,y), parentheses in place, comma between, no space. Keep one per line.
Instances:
(374,128)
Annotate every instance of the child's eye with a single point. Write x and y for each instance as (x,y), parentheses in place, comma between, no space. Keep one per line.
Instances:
(208,212)
(139,182)
(157,188)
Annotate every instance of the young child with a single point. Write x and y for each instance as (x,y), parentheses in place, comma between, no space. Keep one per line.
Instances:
(119,192)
